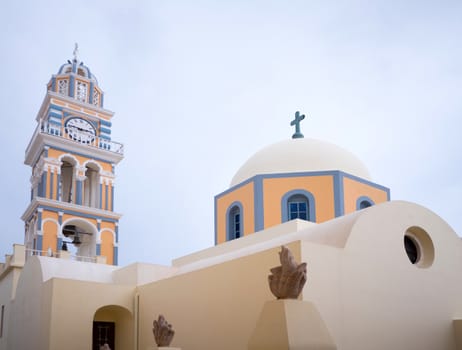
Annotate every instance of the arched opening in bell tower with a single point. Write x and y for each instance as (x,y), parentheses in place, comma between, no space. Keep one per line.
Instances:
(79,238)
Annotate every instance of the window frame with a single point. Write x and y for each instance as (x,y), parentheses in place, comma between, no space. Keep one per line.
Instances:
(81,91)
(298,200)
(96,97)
(234,209)
(62,82)
(2,320)
(364,199)
(285,202)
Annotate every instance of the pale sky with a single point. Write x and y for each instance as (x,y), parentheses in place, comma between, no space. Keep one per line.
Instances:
(197,87)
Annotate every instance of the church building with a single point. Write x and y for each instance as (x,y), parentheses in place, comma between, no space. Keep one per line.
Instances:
(382,274)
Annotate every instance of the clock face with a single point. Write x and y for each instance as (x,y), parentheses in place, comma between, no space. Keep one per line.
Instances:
(80,130)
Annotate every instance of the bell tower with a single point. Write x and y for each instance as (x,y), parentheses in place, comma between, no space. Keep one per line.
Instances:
(73,160)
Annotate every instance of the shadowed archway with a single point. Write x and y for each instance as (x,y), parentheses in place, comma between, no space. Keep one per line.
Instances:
(113,324)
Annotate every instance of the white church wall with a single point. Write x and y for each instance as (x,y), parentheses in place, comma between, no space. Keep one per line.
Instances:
(30,310)
(214,307)
(386,299)
(372,297)
(363,284)
(7,286)
(58,313)
(74,306)
(139,273)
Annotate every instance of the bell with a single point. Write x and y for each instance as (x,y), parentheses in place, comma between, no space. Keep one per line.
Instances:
(76,241)
(69,230)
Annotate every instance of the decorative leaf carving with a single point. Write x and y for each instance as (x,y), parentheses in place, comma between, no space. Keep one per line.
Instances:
(287,281)
(163,331)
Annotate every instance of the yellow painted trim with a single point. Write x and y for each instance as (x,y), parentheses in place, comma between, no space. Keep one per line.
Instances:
(245,195)
(53,153)
(67,217)
(107,247)
(105,225)
(50,236)
(76,108)
(87,111)
(353,189)
(58,102)
(321,187)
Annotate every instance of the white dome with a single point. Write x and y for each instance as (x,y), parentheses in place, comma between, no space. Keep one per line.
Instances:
(300,155)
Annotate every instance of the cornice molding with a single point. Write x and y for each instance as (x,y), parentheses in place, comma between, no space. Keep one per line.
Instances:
(37,202)
(51,94)
(40,140)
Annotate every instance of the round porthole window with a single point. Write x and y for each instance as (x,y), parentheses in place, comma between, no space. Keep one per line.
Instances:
(419,247)
(412,249)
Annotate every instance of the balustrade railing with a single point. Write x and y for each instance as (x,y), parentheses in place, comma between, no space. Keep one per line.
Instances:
(98,142)
(60,254)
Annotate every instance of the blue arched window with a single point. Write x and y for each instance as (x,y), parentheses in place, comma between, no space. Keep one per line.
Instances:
(298,204)
(234,221)
(364,202)
(298,207)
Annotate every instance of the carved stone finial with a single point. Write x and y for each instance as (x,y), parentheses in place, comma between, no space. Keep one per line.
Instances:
(163,331)
(287,280)
(76,51)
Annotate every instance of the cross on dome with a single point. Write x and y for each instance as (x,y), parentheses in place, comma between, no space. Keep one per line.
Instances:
(296,122)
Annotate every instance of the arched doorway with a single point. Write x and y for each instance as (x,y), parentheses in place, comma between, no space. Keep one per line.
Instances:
(113,324)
